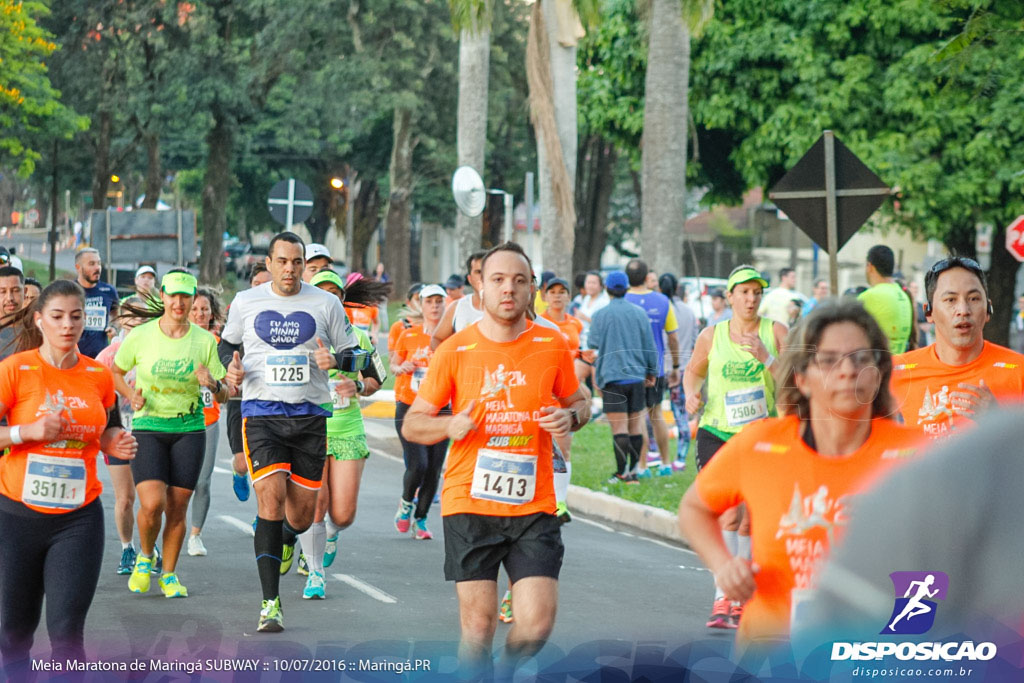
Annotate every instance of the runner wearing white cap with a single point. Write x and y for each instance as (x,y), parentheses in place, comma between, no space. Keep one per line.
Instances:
(318,257)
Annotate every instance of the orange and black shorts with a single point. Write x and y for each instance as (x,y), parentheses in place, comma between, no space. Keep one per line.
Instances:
(296,446)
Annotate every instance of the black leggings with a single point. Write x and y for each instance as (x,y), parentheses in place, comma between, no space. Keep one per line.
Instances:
(422,466)
(58,556)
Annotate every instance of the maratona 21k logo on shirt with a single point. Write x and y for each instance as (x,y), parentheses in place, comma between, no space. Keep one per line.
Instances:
(915,606)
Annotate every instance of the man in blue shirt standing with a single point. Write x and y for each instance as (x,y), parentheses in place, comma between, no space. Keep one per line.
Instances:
(100,301)
(663,323)
(626,366)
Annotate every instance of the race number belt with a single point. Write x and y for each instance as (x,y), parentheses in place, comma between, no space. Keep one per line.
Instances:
(340,402)
(417,378)
(745,405)
(95,316)
(53,482)
(287,370)
(504,477)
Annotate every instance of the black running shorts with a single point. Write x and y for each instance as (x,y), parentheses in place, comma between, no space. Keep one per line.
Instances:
(655,394)
(175,458)
(296,446)
(234,410)
(708,444)
(629,398)
(476,545)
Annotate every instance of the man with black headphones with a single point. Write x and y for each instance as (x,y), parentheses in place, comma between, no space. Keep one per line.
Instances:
(944,386)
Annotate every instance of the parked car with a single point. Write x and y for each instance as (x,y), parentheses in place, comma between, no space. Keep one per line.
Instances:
(232,251)
(698,293)
(244,261)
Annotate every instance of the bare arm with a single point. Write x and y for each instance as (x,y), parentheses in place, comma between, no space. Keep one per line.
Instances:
(445,328)
(699,525)
(423,425)
(697,369)
(780,332)
(120,383)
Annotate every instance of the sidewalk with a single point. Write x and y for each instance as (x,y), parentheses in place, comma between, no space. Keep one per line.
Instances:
(643,518)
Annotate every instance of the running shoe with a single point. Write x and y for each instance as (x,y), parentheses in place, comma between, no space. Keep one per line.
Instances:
(720,612)
(653,457)
(665,471)
(171,587)
(616,479)
(158,562)
(240,485)
(271,617)
(287,555)
(127,561)
(679,465)
(562,513)
(314,589)
(735,614)
(254,520)
(422,533)
(633,478)
(645,474)
(403,518)
(138,582)
(330,550)
(195,546)
(505,611)
(302,568)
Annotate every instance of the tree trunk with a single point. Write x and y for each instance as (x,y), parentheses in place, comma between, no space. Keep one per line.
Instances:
(216,184)
(154,172)
(396,223)
(558,220)
(1002,281)
(365,219)
(665,137)
(471,135)
(101,163)
(594,184)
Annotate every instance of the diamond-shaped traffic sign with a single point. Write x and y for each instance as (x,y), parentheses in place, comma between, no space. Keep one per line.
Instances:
(801,193)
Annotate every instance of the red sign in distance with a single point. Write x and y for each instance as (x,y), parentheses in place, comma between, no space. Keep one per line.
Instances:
(1015,238)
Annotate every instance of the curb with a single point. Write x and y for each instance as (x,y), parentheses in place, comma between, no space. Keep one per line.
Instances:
(645,518)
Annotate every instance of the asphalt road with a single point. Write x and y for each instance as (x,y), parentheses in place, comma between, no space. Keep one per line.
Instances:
(386,592)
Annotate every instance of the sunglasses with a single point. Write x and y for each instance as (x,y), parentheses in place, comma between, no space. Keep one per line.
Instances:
(955,262)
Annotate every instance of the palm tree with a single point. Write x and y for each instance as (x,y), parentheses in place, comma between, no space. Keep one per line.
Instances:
(555,29)
(666,119)
(472,19)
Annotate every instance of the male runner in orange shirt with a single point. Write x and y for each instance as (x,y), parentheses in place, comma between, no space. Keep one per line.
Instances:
(944,386)
(512,388)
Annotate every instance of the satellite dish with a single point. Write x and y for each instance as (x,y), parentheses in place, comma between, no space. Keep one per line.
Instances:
(468,190)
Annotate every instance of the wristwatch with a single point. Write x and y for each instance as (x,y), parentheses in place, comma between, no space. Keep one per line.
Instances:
(575,418)
(359,387)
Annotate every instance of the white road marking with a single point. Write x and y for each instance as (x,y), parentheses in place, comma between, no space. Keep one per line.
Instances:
(363,587)
(696,569)
(591,522)
(382,454)
(378,430)
(245,527)
(668,545)
(221,470)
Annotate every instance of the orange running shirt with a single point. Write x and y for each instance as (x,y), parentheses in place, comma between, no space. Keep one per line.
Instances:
(510,382)
(413,344)
(921,384)
(394,333)
(362,316)
(62,477)
(798,501)
(572,328)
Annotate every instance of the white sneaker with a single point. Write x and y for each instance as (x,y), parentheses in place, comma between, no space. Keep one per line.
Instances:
(195,546)
(315,587)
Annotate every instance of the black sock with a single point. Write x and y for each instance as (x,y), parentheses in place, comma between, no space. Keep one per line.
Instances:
(267,544)
(289,534)
(621,442)
(636,445)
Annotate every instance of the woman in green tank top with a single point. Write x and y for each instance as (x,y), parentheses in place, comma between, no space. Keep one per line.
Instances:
(736,358)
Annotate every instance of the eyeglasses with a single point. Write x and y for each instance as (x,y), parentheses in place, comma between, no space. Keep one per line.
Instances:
(953,262)
(862,358)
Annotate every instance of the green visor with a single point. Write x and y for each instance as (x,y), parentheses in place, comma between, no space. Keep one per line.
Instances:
(179,283)
(745,275)
(328,276)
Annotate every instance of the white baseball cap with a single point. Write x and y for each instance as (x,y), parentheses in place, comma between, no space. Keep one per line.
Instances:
(432,290)
(16,262)
(318,251)
(145,269)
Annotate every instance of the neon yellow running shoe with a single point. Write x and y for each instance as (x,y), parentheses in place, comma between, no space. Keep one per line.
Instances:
(271,617)
(138,582)
(505,611)
(287,555)
(171,587)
